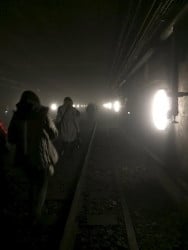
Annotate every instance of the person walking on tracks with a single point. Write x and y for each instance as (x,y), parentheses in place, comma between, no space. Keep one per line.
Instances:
(3,153)
(31,130)
(3,140)
(67,122)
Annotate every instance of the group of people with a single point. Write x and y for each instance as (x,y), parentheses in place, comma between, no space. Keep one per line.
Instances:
(33,132)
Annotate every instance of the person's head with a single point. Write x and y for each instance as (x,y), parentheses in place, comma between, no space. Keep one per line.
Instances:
(29,97)
(68,101)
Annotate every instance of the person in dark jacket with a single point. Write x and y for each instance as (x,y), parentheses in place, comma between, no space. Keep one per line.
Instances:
(91,112)
(3,152)
(3,139)
(31,130)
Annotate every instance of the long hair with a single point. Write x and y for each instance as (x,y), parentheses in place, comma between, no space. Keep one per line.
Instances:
(68,101)
(29,97)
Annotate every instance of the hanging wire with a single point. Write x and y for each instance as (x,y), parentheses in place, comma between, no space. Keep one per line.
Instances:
(172,6)
(137,39)
(139,43)
(121,38)
(130,29)
(151,29)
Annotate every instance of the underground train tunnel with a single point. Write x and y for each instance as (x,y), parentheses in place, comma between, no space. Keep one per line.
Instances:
(93,124)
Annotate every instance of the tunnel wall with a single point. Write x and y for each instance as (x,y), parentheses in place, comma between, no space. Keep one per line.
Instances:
(169,146)
(181,130)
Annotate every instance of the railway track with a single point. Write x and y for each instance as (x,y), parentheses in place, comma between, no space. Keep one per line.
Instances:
(86,207)
(99,217)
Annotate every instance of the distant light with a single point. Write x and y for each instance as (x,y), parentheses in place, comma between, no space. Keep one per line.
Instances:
(53,106)
(6,112)
(128,113)
(107,105)
(74,105)
(160,109)
(116,106)
(78,106)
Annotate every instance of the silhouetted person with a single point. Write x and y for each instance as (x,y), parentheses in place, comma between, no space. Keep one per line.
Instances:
(67,121)
(31,130)
(3,152)
(3,139)
(91,111)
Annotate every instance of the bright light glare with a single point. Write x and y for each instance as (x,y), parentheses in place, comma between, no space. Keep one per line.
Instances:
(160,108)
(78,105)
(107,105)
(116,106)
(53,106)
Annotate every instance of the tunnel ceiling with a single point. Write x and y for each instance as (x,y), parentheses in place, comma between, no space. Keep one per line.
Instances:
(76,46)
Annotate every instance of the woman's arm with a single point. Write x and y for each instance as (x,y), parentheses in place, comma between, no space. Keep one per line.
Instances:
(50,127)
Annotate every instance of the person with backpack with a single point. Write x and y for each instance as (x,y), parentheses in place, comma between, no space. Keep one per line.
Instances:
(67,122)
(3,139)
(32,130)
(3,153)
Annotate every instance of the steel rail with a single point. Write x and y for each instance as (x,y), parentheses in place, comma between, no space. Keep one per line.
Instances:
(69,235)
(131,235)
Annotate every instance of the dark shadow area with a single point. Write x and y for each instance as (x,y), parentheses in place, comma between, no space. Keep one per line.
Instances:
(18,232)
